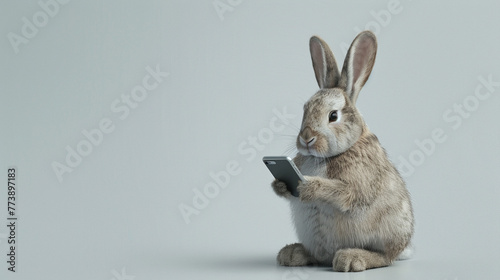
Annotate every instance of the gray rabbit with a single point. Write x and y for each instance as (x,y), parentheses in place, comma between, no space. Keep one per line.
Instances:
(353,211)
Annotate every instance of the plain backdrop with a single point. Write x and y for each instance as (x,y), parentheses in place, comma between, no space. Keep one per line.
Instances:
(233,67)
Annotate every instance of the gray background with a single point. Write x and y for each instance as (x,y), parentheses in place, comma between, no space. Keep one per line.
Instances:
(116,215)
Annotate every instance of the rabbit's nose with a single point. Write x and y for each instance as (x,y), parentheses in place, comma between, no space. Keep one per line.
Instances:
(311,141)
(307,137)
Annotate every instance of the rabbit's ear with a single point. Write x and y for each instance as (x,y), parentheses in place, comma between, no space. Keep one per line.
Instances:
(324,64)
(358,64)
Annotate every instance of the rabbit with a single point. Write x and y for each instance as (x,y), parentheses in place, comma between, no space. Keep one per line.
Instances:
(353,211)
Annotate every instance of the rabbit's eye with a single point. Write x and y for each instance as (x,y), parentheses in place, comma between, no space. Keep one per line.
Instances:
(334,116)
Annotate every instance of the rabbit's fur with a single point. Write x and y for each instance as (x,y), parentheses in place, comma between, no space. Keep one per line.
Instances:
(353,210)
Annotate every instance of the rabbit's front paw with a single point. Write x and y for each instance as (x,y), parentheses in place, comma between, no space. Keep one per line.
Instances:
(280,188)
(307,189)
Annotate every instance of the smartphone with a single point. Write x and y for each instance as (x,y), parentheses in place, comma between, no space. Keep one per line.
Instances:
(284,169)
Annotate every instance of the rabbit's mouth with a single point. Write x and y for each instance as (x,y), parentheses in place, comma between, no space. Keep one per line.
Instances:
(320,146)
(312,146)
(307,141)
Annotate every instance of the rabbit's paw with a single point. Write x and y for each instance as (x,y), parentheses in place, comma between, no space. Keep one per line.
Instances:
(308,189)
(280,188)
(294,255)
